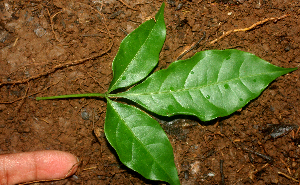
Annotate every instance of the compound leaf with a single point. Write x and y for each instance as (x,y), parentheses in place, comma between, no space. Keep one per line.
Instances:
(138,53)
(140,142)
(211,84)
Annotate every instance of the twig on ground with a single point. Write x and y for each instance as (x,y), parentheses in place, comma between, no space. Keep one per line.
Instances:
(222,173)
(10,102)
(15,43)
(286,165)
(22,100)
(249,28)
(266,157)
(90,168)
(195,46)
(52,23)
(59,66)
(128,5)
(287,176)
(252,174)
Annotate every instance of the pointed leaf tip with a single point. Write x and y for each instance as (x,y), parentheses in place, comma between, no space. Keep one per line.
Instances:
(160,13)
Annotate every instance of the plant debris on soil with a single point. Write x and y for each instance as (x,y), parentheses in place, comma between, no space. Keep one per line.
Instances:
(67,47)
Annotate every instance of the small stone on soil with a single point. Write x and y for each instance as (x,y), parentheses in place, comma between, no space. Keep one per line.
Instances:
(85,115)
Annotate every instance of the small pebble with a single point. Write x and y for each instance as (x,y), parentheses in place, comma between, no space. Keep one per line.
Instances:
(171,2)
(85,115)
(56,52)
(211,174)
(195,167)
(287,48)
(186,175)
(258,6)
(39,31)
(3,36)
(179,6)
(75,177)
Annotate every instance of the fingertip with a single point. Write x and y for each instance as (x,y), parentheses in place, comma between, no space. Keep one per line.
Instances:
(60,164)
(73,162)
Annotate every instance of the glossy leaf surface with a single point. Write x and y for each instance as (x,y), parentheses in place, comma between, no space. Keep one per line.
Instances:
(138,53)
(140,142)
(211,84)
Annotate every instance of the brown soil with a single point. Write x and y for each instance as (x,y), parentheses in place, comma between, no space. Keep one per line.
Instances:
(29,47)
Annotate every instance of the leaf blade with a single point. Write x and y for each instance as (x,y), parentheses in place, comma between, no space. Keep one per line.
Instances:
(140,142)
(206,89)
(138,53)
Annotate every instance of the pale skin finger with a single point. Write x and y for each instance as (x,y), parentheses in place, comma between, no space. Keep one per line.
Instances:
(35,166)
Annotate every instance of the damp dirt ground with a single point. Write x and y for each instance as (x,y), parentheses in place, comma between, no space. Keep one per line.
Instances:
(38,38)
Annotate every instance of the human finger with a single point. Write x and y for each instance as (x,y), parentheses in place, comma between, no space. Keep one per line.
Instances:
(35,166)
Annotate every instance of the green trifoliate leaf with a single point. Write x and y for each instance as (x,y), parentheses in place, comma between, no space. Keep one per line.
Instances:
(140,142)
(138,53)
(211,84)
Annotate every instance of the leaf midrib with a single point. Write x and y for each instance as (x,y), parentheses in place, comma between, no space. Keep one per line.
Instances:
(186,89)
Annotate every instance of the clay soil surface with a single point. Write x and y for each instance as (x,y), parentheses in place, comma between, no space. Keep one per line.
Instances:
(38,38)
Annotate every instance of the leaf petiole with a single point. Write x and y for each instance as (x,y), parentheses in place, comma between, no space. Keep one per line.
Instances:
(73,96)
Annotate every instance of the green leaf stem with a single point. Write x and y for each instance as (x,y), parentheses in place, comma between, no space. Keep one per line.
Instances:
(88,95)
